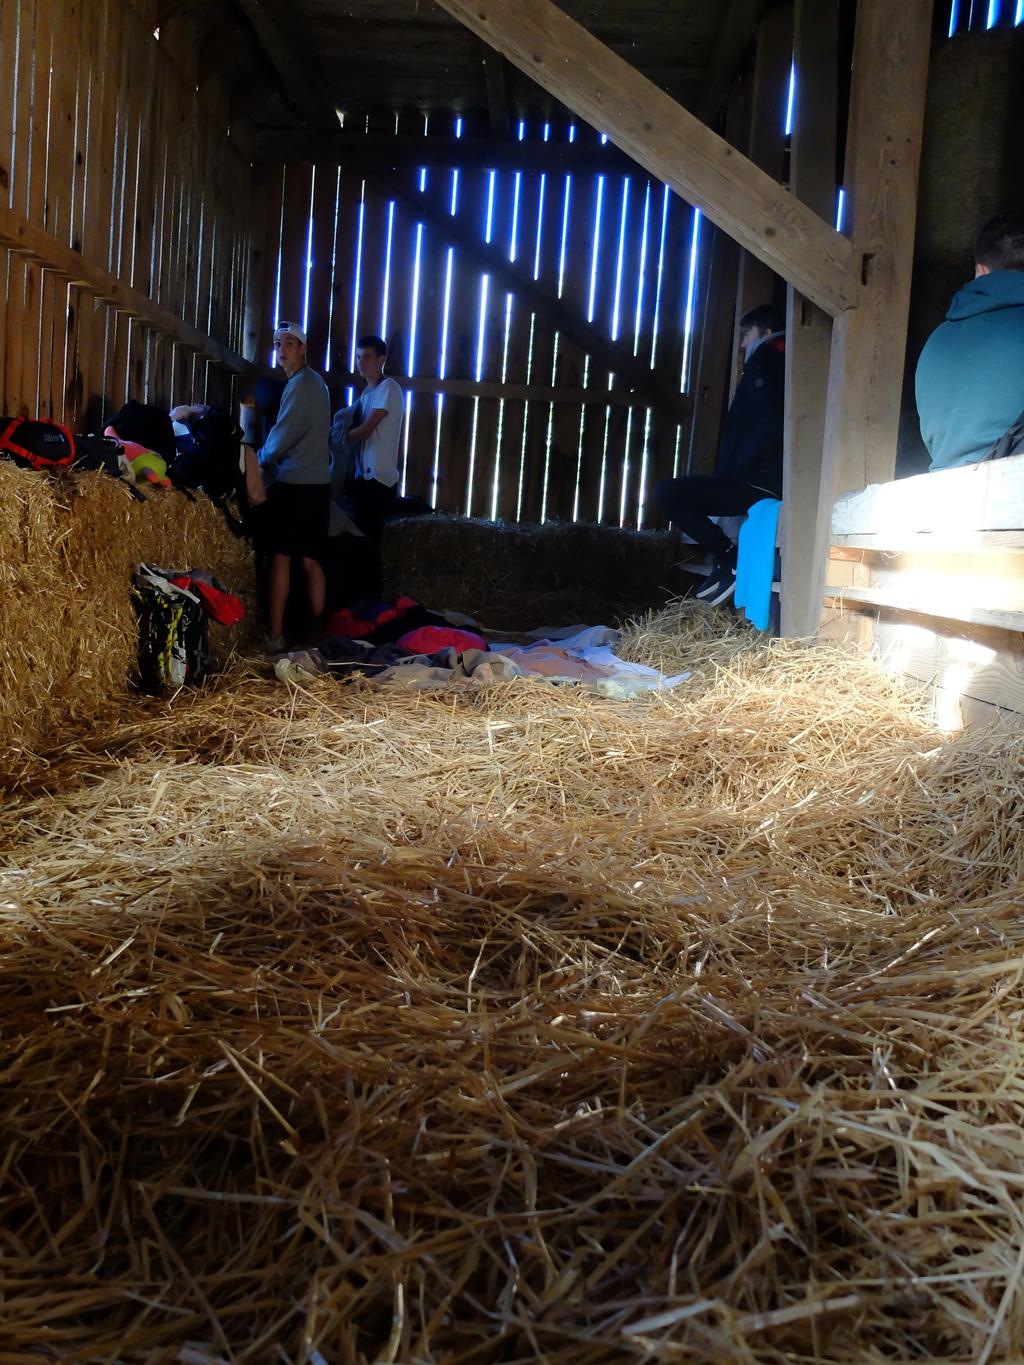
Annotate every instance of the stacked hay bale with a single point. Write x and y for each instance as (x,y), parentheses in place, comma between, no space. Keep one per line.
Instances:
(357,1024)
(522,576)
(68,633)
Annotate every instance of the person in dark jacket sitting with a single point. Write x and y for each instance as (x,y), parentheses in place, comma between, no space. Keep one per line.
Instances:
(749,465)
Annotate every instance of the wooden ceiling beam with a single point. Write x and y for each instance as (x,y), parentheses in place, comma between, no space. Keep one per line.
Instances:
(292,56)
(497,92)
(402,151)
(670,143)
(738,27)
(613,356)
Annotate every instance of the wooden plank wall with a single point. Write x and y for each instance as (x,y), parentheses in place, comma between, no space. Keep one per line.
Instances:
(108,146)
(504,418)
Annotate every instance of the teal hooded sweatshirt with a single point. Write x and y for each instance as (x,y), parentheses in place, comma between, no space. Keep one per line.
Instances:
(970,378)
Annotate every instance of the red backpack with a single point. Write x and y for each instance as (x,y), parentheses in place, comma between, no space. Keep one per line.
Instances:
(37,443)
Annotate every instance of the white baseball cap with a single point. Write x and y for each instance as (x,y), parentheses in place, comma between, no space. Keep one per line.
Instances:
(289,329)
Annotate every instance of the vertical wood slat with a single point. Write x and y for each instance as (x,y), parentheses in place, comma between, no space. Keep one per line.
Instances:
(32,323)
(808,328)
(80,365)
(298,180)
(266,265)
(80,310)
(418,435)
(322,254)
(714,357)
(712,348)
(456,427)
(62,180)
(758,283)
(9,18)
(19,54)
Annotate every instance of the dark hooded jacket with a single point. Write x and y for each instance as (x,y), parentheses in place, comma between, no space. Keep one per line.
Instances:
(751,446)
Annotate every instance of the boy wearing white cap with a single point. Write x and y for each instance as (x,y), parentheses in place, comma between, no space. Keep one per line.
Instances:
(296,464)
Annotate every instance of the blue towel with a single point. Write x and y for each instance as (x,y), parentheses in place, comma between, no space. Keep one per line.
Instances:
(755,562)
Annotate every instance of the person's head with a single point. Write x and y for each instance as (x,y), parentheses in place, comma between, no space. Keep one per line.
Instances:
(290,347)
(371,353)
(757,324)
(1000,244)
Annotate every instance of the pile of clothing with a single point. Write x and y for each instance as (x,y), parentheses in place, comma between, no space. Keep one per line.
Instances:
(403,642)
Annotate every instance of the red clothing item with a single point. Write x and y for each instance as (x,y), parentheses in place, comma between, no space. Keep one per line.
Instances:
(223,607)
(429,639)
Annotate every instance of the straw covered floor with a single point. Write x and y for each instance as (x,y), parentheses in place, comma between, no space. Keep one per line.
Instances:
(68,631)
(358,1024)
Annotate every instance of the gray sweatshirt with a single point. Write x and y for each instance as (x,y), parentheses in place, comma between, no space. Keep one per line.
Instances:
(296,449)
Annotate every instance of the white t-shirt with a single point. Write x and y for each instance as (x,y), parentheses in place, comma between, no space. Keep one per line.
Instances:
(378,457)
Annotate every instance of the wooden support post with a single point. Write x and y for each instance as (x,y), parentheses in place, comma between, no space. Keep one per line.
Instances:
(808,329)
(710,391)
(716,343)
(766,147)
(672,145)
(890,71)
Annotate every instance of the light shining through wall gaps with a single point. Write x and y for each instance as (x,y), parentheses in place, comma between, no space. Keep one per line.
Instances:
(485,281)
(280,255)
(513,251)
(386,290)
(357,282)
(481,333)
(619,257)
(334,266)
(616,298)
(414,315)
(691,282)
(638,317)
(445,314)
(309,255)
(598,203)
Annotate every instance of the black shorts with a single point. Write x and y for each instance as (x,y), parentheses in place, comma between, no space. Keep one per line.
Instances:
(295,518)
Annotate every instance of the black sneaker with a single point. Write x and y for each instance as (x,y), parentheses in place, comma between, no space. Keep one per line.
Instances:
(719,587)
(707,588)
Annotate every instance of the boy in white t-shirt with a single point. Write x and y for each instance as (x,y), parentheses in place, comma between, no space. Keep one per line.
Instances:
(378,431)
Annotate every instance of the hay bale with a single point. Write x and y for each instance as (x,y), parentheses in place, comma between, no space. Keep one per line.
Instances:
(515,577)
(67,627)
(361,1024)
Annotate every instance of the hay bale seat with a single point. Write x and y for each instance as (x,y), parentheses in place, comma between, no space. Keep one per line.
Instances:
(353,1024)
(521,576)
(68,632)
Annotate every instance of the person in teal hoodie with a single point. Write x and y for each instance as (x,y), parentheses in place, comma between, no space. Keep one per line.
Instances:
(970,377)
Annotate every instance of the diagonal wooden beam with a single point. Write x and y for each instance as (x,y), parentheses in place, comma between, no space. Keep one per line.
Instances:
(614,356)
(597,85)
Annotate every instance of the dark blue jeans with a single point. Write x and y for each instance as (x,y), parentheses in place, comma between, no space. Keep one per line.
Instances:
(689,502)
